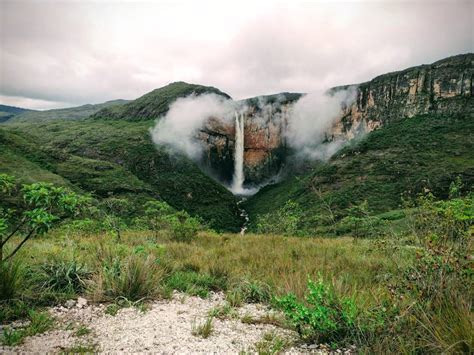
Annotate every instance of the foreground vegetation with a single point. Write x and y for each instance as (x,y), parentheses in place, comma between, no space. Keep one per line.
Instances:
(405,290)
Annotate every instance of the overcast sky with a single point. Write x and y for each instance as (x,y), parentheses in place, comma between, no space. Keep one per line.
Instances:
(67,53)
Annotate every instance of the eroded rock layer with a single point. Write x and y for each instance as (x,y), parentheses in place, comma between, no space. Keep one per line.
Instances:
(444,87)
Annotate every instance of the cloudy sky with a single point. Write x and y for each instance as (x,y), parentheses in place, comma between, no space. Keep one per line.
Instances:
(66,53)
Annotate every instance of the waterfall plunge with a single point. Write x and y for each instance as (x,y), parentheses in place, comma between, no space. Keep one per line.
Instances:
(238,179)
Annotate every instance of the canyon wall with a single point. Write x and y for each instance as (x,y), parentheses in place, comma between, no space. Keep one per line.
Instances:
(265,148)
(444,87)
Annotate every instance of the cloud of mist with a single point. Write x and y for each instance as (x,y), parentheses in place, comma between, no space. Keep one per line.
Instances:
(178,128)
(311,119)
(309,122)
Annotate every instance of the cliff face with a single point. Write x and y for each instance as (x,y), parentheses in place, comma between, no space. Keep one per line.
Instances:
(444,87)
(265,150)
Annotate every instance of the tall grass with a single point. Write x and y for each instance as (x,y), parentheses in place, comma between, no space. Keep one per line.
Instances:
(133,277)
(10,280)
(377,277)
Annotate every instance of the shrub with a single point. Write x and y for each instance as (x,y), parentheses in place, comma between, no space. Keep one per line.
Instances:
(446,221)
(155,215)
(440,278)
(84,226)
(325,317)
(114,211)
(184,228)
(284,221)
(44,205)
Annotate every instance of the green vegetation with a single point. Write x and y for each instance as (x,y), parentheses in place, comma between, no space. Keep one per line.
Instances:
(156,103)
(404,290)
(203,329)
(7,112)
(115,159)
(405,157)
(42,205)
(271,343)
(39,322)
(72,113)
(398,279)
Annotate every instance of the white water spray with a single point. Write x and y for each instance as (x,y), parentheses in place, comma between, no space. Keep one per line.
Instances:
(238,179)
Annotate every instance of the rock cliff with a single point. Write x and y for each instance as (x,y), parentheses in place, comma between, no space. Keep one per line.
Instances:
(265,146)
(444,87)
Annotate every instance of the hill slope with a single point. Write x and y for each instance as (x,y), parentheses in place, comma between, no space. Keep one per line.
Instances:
(155,103)
(114,159)
(424,152)
(72,113)
(7,112)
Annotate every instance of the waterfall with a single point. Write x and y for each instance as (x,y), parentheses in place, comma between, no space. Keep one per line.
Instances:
(238,179)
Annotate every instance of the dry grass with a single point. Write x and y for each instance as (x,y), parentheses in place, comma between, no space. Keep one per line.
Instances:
(283,263)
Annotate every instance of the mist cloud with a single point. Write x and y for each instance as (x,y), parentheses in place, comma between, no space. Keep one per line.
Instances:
(179,127)
(309,121)
(313,115)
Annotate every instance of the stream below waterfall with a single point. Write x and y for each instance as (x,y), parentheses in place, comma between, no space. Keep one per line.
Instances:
(244,214)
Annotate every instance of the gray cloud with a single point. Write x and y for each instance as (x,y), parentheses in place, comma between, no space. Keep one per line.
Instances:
(70,53)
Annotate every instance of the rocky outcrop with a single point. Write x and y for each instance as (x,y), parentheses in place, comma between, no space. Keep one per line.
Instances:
(444,87)
(265,150)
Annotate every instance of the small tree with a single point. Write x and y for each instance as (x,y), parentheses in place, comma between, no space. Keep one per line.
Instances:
(285,220)
(183,227)
(114,210)
(41,206)
(155,215)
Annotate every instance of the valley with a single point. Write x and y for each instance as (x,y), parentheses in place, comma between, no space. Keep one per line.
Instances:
(350,232)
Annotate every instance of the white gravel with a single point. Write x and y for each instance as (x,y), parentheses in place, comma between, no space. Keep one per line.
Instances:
(165,328)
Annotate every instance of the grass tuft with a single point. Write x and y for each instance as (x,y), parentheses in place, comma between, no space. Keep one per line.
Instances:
(204,329)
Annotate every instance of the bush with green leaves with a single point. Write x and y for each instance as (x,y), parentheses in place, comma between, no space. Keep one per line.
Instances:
(447,221)
(285,220)
(114,210)
(326,317)
(440,278)
(183,227)
(360,223)
(42,205)
(156,213)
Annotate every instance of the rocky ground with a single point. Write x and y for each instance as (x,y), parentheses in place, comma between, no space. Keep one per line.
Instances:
(167,326)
